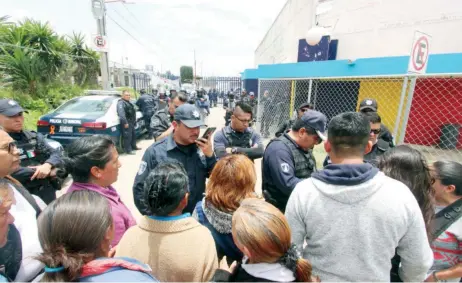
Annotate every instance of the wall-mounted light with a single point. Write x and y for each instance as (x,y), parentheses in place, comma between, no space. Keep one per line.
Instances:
(315,34)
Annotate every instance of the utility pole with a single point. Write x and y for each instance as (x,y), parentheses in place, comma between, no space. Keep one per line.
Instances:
(194,80)
(99,13)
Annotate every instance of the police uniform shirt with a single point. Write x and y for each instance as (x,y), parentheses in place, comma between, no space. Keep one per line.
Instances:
(220,143)
(197,165)
(146,103)
(278,167)
(160,122)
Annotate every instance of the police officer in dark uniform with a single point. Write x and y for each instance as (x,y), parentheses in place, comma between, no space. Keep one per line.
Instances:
(288,159)
(127,114)
(289,123)
(370,105)
(147,105)
(41,170)
(161,122)
(184,145)
(239,137)
(379,147)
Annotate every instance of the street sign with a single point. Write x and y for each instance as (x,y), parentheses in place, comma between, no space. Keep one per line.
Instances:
(97,7)
(420,52)
(100,43)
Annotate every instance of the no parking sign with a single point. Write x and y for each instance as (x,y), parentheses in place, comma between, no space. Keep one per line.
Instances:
(420,52)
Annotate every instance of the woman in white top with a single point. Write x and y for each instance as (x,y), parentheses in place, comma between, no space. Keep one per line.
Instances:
(447,247)
(25,213)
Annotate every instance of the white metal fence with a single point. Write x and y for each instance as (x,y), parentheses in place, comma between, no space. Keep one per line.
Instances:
(424,112)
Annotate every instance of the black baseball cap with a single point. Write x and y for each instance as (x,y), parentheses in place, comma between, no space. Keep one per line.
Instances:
(189,115)
(305,105)
(9,107)
(369,103)
(317,121)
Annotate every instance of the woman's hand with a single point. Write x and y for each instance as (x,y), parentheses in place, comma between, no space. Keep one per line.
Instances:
(224,265)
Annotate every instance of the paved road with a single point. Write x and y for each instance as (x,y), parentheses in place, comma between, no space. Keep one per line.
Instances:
(130,164)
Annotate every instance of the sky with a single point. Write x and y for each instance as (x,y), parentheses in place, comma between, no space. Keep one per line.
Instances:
(165,33)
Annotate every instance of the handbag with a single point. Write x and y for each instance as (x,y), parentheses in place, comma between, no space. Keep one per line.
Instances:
(442,221)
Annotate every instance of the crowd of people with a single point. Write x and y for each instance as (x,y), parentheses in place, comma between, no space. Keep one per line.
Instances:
(375,212)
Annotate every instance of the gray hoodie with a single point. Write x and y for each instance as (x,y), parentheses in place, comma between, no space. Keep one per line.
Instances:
(353,218)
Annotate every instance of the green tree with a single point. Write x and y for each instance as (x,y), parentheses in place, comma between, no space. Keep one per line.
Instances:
(186,74)
(86,60)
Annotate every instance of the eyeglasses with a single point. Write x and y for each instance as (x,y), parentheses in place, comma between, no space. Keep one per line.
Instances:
(244,121)
(10,147)
(375,132)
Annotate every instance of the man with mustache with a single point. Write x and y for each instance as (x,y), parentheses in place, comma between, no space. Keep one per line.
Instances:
(184,145)
(39,160)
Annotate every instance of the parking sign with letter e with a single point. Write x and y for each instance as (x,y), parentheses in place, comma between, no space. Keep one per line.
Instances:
(418,61)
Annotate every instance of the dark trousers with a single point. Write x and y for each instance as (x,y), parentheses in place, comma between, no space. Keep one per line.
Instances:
(46,192)
(147,124)
(129,138)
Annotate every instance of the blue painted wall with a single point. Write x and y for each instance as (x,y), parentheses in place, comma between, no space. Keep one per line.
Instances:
(383,66)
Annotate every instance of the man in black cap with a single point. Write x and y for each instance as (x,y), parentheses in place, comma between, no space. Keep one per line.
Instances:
(40,161)
(147,105)
(289,123)
(288,159)
(184,145)
(370,105)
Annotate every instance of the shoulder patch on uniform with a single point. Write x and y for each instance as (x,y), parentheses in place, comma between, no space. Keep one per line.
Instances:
(143,167)
(285,167)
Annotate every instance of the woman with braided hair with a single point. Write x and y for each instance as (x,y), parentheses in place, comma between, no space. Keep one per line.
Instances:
(76,232)
(262,233)
(174,244)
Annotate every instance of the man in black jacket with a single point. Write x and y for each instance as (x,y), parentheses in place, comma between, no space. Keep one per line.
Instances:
(370,105)
(127,114)
(40,160)
(147,105)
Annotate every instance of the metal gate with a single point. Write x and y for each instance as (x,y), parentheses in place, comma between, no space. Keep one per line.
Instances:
(221,83)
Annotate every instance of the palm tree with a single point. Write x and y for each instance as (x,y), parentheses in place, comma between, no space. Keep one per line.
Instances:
(22,70)
(87,60)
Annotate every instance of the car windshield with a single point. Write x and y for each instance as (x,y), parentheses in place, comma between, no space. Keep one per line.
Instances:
(85,105)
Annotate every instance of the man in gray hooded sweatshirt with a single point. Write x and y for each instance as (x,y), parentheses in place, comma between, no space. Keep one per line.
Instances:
(353,217)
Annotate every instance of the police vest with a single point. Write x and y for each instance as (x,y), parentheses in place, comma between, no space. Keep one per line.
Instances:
(303,161)
(130,111)
(244,140)
(28,152)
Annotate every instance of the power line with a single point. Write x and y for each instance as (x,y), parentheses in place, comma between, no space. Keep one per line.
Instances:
(43,51)
(134,38)
(136,19)
(124,18)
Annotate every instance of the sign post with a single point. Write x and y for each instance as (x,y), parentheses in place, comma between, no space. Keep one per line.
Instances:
(100,41)
(418,61)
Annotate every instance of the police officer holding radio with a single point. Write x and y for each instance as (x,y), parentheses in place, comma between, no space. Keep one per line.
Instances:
(41,171)
(288,159)
(238,137)
(147,106)
(127,114)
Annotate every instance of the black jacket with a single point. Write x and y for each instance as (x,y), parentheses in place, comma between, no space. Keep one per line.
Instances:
(126,111)
(147,104)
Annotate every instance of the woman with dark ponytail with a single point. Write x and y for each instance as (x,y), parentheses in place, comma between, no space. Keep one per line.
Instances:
(93,163)
(75,232)
(263,235)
